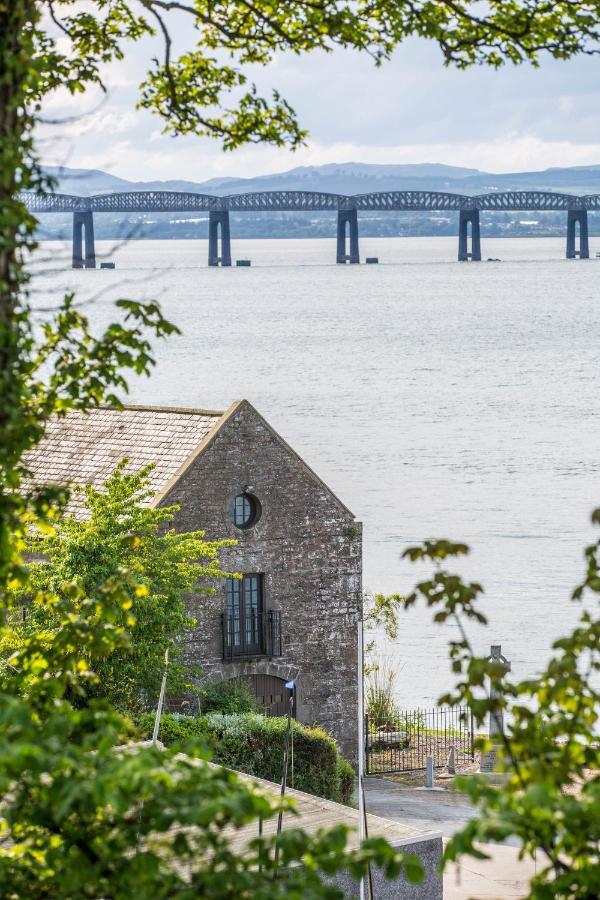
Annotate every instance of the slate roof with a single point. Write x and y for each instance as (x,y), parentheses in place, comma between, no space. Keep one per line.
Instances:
(85,449)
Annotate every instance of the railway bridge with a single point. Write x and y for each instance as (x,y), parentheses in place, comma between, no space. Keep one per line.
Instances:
(346,207)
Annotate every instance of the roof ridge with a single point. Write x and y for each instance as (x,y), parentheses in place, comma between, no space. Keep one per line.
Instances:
(189,410)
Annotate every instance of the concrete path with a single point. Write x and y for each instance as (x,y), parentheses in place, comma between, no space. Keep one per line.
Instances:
(502,877)
(437,810)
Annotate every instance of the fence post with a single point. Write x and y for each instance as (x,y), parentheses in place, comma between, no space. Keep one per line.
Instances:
(451,763)
(429,772)
(366,747)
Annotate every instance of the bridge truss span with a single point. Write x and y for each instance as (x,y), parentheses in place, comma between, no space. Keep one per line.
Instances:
(527,200)
(288,201)
(411,200)
(152,201)
(591,201)
(53,203)
(299,201)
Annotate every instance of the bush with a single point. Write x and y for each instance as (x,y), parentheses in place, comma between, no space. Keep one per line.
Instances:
(254,744)
(174,728)
(228,696)
(346,777)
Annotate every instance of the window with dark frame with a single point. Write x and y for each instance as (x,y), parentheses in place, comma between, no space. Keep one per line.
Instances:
(245,614)
(244,510)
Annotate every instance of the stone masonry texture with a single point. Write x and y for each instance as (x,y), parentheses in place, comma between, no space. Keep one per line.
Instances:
(307,544)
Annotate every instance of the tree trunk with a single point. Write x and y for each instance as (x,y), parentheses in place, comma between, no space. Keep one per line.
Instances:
(18,171)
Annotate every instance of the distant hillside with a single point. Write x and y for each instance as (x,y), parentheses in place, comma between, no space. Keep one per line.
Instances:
(339,178)
(346,178)
(84,182)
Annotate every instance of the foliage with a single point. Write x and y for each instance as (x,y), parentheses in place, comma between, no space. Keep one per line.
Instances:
(228,695)
(347,777)
(207,89)
(381,610)
(142,822)
(80,818)
(175,728)
(380,687)
(254,744)
(549,753)
(119,532)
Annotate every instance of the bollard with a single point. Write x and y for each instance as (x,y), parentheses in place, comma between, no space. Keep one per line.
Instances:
(429,772)
(451,763)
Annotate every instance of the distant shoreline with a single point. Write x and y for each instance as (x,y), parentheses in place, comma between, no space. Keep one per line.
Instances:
(303,237)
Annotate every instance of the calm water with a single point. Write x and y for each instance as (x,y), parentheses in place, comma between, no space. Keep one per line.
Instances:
(436,399)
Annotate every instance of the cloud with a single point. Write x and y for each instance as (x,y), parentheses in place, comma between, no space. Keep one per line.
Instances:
(164,159)
(61,142)
(510,153)
(408,111)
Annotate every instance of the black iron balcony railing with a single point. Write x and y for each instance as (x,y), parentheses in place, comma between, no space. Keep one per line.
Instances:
(252,635)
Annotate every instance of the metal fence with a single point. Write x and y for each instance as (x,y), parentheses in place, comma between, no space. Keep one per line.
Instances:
(403,743)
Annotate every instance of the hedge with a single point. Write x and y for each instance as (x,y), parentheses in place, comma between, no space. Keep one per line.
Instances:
(254,744)
(174,728)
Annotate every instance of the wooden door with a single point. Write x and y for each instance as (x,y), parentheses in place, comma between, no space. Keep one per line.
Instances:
(272,696)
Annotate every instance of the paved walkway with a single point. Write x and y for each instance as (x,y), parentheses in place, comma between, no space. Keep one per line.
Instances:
(503,877)
(437,810)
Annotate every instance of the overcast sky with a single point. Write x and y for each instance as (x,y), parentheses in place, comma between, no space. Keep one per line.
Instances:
(411,110)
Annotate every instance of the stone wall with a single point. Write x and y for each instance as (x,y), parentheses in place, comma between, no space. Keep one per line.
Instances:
(309,548)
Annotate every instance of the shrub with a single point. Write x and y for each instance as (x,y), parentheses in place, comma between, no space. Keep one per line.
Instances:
(174,728)
(346,777)
(254,744)
(228,696)
(379,695)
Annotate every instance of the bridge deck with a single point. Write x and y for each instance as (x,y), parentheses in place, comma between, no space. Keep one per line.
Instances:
(298,201)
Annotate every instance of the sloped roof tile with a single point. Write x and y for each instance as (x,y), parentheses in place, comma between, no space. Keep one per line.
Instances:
(85,449)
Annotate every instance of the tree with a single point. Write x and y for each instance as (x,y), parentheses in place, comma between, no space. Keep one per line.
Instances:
(549,752)
(118,532)
(81,818)
(190,92)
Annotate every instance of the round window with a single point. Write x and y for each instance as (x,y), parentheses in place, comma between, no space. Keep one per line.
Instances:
(244,510)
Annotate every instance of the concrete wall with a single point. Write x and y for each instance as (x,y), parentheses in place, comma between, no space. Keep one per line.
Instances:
(309,548)
(429,850)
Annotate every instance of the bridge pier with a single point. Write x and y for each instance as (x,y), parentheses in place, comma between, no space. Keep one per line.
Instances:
(466,216)
(219,218)
(350,217)
(575,216)
(83,224)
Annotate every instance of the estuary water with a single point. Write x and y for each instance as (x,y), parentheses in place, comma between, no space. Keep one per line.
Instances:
(437,399)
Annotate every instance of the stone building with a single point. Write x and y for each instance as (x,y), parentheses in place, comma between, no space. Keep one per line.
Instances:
(294,613)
